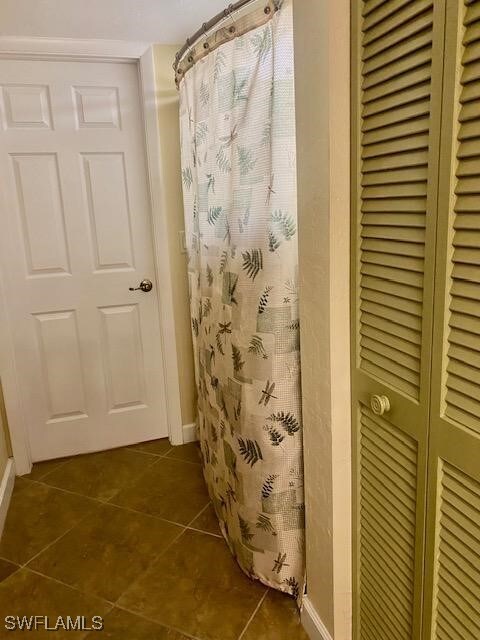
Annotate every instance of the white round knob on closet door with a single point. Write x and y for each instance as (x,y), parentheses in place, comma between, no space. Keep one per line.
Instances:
(379,404)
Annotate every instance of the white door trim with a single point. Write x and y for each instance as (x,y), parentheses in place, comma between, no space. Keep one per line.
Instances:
(6,489)
(11,391)
(161,248)
(312,623)
(66,48)
(140,54)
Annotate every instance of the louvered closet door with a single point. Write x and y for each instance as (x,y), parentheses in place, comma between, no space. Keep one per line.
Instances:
(452,609)
(398,58)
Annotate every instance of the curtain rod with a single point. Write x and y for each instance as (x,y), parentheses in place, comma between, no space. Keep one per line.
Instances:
(222,15)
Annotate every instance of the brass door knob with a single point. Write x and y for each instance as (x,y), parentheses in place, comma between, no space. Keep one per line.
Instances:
(379,404)
(145,286)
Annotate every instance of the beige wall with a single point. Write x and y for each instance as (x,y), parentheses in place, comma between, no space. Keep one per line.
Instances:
(322,83)
(167,98)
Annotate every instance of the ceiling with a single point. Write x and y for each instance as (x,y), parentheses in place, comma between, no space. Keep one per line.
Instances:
(160,21)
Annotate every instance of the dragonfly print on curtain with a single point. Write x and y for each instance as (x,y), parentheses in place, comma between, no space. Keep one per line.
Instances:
(237,116)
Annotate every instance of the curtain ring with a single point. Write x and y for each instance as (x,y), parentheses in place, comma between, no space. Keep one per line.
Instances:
(189,50)
(205,33)
(176,64)
(228,14)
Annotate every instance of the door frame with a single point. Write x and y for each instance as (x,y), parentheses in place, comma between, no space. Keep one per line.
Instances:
(140,54)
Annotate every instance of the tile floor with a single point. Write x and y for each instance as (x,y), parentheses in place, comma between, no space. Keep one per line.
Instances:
(130,535)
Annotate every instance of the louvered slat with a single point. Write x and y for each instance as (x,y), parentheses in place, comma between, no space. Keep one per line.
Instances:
(458,568)
(403,48)
(462,387)
(397,205)
(387,18)
(394,85)
(415,158)
(392,301)
(396,96)
(388,465)
(411,94)
(381,240)
(411,28)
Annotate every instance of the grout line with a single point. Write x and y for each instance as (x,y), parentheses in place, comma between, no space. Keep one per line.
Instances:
(41,480)
(133,447)
(87,593)
(59,466)
(50,544)
(166,454)
(190,527)
(18,567)
(160,624)
(207,533)
(154,560)
(157,517)
(113,605)
(62,462)
(198,514)
(82,495)
(68,491)
(10,561)
(149,453)
(201,511)
(96,502)
(155,461)
(195,464)
(69,586)
(253,614)
(108,503)
(144,513)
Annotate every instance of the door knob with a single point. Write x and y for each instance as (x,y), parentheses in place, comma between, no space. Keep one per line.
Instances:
(379,404)
(145,286)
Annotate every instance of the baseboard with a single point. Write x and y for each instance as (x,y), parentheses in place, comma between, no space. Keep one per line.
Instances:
(190,433)
(6,488)
(312,623)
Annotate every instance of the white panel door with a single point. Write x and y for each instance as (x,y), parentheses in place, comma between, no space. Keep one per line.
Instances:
(75,236)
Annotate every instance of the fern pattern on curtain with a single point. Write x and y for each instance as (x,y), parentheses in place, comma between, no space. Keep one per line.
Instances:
(237,115)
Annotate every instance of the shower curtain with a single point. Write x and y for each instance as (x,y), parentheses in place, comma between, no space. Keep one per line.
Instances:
(237,115)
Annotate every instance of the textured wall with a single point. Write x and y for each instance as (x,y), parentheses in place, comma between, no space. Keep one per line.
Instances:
(322,85)
(314,241)
(167,97)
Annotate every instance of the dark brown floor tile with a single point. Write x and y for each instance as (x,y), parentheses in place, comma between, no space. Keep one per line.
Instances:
(121,625)
(40,469)
(197,587)
(207,521)
(171,489)
(37,516)
(107,551)
(188,452)
(100,475)
(277,619)
(156,447)
(27,594)
(6,569)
